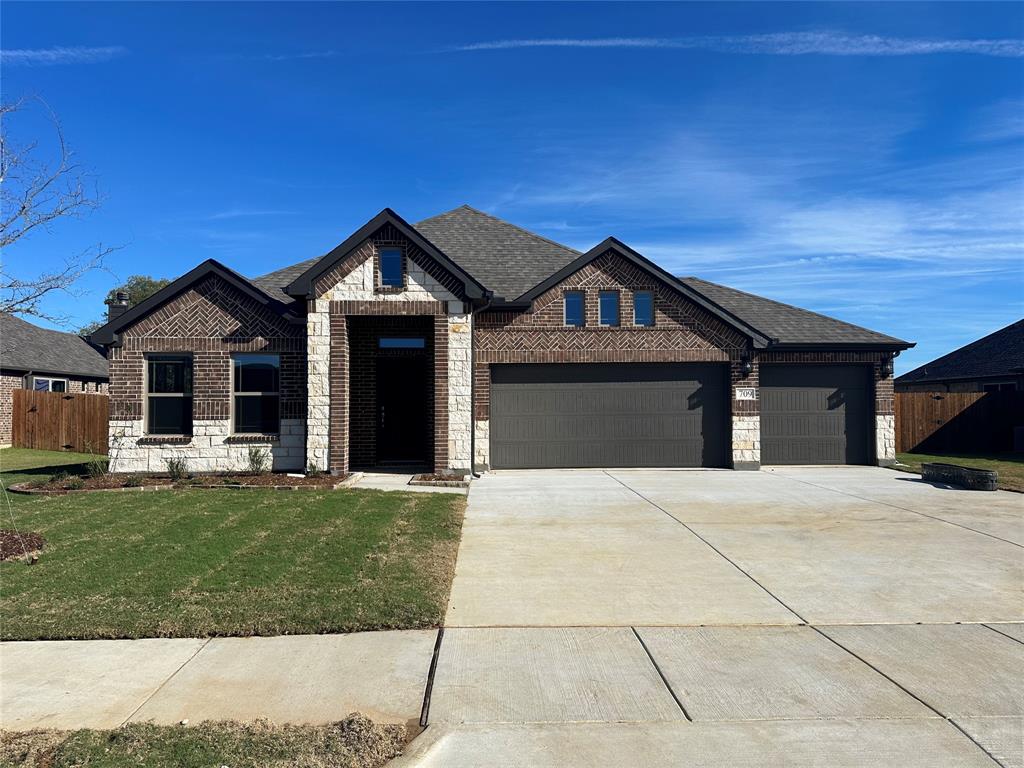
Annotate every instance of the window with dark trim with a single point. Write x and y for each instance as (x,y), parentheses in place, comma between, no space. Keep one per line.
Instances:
(574,309)
(169,395)
(48,384)
(643,308)
(608,308)
(391,268)
(402,343)
(257,394)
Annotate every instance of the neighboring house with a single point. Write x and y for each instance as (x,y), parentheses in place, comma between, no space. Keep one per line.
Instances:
(464,336)
(50,361)
(994,363)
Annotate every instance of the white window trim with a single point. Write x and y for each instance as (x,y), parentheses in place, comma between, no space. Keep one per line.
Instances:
(643,325)
(33,379)
(618,308)
(565,308)
(146,394)
(234,394)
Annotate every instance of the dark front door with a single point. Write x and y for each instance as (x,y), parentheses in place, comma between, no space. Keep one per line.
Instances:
(610,415)
(403,423)
(816,414)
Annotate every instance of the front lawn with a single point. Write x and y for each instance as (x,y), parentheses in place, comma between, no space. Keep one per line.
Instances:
(223,562)
(356,742)
(1010,466)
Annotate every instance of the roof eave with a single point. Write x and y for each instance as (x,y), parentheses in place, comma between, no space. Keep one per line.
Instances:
(302,286)
(895,345)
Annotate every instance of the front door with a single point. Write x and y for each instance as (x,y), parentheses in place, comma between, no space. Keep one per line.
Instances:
(403,424)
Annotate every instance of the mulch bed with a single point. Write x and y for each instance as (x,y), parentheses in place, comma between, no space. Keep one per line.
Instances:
(13,545)
(118,482)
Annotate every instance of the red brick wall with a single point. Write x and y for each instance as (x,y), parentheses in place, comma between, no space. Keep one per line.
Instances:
(211,320)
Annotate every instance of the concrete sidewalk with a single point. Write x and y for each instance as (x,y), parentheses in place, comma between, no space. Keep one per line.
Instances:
(294,679)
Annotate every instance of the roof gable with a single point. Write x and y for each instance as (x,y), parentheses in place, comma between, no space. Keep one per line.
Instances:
(108,334)
(998,354)
(303,285)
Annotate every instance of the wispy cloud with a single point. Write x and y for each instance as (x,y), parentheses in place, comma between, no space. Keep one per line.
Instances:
(242,213)
(776,44)
(60,55)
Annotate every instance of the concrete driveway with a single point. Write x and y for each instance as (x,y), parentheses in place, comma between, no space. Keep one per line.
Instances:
(797,616)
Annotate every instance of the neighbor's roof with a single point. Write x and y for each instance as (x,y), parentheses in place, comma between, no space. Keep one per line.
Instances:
(998,354)
(784,323)
(27,347)
(507,259)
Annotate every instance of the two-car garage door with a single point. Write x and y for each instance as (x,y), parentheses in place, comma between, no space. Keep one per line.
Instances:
(610,415)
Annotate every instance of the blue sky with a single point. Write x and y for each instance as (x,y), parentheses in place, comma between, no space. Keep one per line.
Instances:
(860,160)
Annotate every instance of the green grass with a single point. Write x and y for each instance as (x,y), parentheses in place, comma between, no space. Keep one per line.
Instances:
(19,465)
(220,562)
(352,743)
(1010,466)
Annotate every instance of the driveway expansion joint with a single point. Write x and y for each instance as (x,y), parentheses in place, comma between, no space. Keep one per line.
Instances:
(428,689)
(1000,632)
(661,674)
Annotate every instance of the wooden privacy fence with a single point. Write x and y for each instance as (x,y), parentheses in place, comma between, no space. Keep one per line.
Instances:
(60,421)
(957,422)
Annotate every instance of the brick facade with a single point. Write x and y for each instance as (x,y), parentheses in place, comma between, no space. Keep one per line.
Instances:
(212,320)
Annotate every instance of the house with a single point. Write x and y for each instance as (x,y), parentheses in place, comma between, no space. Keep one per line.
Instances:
(50,361)
(994,363)
(466,336)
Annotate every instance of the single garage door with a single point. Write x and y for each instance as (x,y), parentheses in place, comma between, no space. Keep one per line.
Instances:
(816,414)
(609,415)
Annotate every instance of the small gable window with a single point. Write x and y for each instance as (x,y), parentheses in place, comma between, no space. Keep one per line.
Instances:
(391,268)
(574,309)
(643,308)
(608,307)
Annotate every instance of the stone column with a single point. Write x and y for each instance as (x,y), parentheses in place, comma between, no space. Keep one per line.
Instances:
(746,416)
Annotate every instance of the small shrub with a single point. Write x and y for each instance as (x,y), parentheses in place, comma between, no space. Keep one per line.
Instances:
(60,478)
(96,464)
(312,469)
(74,483)
(177,468)
(132,481)
(258,460)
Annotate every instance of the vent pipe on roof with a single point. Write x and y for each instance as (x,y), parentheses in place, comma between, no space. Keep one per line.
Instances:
(116,306)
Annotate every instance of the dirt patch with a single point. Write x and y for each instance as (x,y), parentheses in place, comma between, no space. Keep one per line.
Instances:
(14,545)
(270,479)
(355,742)
(69,484)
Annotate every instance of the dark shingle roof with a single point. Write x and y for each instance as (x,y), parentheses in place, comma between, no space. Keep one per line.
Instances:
(27,347)
(784,323)
(505,258)
(275,282)
(998,354)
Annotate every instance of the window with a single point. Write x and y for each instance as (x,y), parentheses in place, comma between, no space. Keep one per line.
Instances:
(391,267)
(574,308)
(257,394)
(402,343)
(1005,386)
(46,384)
(608,307)
(169,395)
(643,308)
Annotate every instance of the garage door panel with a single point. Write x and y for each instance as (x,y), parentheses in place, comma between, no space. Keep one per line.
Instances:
(580,415)
(816,414)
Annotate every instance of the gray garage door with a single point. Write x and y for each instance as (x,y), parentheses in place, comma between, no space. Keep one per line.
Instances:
(609,415)
(816,414)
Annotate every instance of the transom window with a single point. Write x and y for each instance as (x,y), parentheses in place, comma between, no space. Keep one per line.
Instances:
(574,308)
(391,267)
(643,308)
(46,384)
(405,343)
(169,395)
(608,307)
(257,391)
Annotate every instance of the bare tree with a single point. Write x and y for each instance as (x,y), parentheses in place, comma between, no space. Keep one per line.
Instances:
(36,192)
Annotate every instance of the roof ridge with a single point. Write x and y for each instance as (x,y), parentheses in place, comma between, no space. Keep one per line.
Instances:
(492,217)
(965,348)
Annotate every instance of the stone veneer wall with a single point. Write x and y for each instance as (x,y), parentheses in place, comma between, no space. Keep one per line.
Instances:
(352,288)
(211,321)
